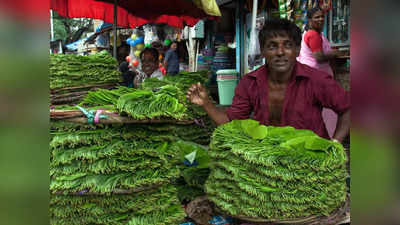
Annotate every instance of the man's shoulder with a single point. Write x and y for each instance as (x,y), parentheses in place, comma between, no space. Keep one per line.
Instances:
(252,76)
(311,73)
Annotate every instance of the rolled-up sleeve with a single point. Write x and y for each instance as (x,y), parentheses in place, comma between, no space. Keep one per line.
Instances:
(330,95)
(241,107)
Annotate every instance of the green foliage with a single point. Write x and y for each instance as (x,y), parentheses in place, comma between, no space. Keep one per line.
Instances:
(191,132)
(105,96)
(157,98)
(184,147)
(144,104)
(171,216)
(153,206)
(136,203)
(75,70)
(275,172)
(183,80)
(107,159)
(67,28)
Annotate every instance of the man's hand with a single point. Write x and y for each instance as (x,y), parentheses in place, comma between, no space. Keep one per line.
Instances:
(197,94)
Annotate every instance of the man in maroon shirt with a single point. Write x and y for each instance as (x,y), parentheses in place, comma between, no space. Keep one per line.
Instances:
(284,92)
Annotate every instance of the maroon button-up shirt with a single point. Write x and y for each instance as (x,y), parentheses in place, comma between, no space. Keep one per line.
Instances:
(307,93)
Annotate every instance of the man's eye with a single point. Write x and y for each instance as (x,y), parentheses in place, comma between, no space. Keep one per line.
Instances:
(288,45)
(271,46)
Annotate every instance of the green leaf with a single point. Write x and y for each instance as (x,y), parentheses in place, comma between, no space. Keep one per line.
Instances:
(259,132)
(317,144)
(254,129)
(249,125)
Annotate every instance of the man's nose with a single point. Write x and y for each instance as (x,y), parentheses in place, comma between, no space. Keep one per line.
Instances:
(279,50)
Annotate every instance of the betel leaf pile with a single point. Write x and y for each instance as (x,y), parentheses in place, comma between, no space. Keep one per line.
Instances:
(103,174)
(155,99)
(75,70)
(143,104)
(183,80)
(275,173)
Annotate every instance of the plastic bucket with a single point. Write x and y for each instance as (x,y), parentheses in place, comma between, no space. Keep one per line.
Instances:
(227,72)
(226,90)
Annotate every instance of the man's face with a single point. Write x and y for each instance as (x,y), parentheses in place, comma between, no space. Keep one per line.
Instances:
(149,63)
(280,53)
(174,46)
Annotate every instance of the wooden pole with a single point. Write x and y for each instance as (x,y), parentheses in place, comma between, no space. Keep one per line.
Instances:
(115,30)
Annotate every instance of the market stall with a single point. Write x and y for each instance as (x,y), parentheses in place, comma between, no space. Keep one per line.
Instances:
(148,156)
(127,147)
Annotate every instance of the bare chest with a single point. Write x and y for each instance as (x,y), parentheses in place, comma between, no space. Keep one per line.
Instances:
(276,98)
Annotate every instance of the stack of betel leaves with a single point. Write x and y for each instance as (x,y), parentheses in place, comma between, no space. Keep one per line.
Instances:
(72,76)
(76,70)
(275,173)
(164,98)
(182,81)
(102,174)
(123,174)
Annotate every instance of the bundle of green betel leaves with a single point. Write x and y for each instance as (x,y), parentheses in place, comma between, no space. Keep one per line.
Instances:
(156,99)
(76,70)
(133,173)
(102,174)
(275,173)
(72,76)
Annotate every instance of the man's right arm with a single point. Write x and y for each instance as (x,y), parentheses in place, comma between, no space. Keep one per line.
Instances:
(167,56)
(198,95)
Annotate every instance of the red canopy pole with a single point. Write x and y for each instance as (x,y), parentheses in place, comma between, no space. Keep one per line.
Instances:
(115,30)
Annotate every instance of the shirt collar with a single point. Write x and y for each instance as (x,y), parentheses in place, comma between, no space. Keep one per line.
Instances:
(300,70)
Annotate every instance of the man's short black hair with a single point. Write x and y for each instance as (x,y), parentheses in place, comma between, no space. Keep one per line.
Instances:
(280,27)
(151,50)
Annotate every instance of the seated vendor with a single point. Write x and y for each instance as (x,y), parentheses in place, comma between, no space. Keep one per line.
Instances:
(284,92)
(150,66)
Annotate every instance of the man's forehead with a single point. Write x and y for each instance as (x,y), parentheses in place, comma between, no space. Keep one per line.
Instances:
(148,56)
(278,38)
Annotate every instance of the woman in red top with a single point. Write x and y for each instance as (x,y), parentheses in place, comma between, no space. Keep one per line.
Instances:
(317,53)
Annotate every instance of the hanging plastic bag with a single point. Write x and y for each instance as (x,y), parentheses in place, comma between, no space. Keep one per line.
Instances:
(170,33)
(254,44)
(150,34)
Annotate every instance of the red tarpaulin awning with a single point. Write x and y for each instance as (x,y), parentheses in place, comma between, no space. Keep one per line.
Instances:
(149,8)
(105,11)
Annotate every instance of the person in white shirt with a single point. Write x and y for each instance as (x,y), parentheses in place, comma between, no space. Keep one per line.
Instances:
(150,66)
